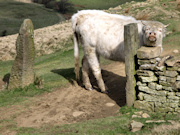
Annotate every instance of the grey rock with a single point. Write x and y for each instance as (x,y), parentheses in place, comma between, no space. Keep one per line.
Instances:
(159,73)
(171,94)
(148,79)
(22,72)
(144,73)
(152,85)
(136,126)
(178,78)
(140,96)
(151,91)
(161,68)
(171,62)
(164,105)
(177,85)
(147,66)
(149,61)
(164,110)
(149,106)
(154,98)
(155,121)
(164,83)
(162,78)
(172,101)
(172,68)
(171,73)
(177,110)
(141,84)
(158,87)
(178,94)
(148,52)
(145,115)
(173,97)
(167,88)
(171,79)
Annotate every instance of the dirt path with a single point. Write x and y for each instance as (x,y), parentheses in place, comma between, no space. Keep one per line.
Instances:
(72,104)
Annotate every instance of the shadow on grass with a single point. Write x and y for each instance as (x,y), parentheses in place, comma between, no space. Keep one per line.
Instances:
(68,74)
(114,82)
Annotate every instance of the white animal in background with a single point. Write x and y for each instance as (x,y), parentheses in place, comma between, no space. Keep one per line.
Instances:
(101,33)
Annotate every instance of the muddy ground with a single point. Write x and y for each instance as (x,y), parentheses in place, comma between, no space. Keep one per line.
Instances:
(71,104)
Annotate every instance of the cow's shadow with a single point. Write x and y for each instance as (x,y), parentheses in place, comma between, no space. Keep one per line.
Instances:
(114,82)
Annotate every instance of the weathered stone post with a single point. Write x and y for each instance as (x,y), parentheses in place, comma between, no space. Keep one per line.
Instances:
(22,72)
(132,43)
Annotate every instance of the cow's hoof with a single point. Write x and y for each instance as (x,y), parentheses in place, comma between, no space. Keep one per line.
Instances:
(90,89)
(106,92)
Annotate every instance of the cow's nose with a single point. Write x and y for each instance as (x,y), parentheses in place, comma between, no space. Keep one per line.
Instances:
(152,34)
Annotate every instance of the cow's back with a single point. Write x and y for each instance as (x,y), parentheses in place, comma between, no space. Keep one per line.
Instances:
(103,31)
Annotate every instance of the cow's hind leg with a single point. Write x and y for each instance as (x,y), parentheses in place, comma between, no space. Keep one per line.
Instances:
(85,74)
(93,61)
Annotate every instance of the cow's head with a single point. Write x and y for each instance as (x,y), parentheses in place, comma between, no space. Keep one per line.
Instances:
(153,33)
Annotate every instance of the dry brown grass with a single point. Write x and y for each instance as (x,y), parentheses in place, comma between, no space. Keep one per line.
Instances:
(127,10)
(143,17)
(178,4)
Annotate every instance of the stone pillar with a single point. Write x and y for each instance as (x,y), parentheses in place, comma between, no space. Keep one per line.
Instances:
(22,72)
(132,43)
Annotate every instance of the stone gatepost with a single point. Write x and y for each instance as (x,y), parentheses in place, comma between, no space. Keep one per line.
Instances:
(132,43)
(22,72)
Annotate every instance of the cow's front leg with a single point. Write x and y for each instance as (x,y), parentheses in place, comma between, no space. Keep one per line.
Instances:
(85,74)
(95,66)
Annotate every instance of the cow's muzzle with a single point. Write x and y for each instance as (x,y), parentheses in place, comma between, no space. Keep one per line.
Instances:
(152,37)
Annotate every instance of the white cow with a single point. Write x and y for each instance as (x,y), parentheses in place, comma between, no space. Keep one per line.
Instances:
(102,34)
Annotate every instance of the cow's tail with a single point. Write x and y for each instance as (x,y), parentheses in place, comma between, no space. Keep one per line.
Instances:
(76,56)
(76,46)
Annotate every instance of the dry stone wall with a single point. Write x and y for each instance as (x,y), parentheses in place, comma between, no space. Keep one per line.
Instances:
(158,81)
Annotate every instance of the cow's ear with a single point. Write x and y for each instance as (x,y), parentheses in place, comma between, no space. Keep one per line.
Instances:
(143,23)
(165,26)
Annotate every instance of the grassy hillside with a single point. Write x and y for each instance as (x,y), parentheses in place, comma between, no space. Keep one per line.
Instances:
(12,14)
(98,4)
(56,71)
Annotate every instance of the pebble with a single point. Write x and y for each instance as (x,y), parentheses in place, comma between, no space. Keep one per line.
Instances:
(110,104)
(77,113)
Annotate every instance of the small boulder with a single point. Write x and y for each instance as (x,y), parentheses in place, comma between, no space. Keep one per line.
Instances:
(136,126)
(148,52)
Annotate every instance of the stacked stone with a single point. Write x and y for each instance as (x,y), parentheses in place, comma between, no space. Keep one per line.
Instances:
(158,85)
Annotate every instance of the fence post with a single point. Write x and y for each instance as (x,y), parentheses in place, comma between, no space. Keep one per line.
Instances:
(132,43)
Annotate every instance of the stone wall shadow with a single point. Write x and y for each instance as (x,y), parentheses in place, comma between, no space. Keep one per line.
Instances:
(67,73)
(116,85)
(114,82)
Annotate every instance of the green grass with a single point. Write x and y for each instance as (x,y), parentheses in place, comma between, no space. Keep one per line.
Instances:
(13,13)
(56,70)
(98,4)
(105,126)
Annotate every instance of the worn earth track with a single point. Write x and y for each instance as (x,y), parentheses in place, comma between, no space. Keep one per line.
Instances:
(71,104)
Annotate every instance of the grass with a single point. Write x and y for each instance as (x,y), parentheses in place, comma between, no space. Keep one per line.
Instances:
(100,4)
(12,14)
(56,70)
(105,126)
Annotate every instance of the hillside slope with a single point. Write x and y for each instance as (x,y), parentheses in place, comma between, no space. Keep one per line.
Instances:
(53,38)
